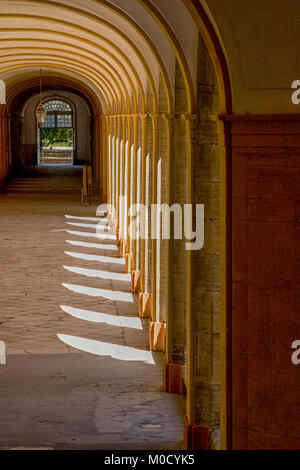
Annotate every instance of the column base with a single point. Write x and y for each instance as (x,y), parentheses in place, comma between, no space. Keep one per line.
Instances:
(145,305)
(135,281)
(157,336)
(128,263)
(173,382)
(196,437)
(102,214)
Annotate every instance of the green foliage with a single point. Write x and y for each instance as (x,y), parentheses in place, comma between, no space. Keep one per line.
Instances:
(56,137)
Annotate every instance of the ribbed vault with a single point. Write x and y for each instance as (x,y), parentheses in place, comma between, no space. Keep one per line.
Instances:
(98,44)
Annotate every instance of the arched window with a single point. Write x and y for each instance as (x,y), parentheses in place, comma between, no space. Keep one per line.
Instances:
(59,114)
(56,135)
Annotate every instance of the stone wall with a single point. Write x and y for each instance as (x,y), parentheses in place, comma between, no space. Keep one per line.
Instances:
(207,302)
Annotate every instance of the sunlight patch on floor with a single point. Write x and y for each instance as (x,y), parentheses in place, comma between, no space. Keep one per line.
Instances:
(91,219)
(100,274)
(98,246)
(96,317)
(115,351)
(106,294)
(95,226)
(92,235)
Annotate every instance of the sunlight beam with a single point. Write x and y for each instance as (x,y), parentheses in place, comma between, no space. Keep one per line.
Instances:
(99,259)
(98,246)
(115,351)
(100,274)
(96,317)
(92,235)
(91,219)
(106,294)
(95,226)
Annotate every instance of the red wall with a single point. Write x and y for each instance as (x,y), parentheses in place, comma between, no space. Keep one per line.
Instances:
(265,269)
(3,145)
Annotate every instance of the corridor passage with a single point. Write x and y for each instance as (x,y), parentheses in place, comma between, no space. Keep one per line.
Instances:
(78,371)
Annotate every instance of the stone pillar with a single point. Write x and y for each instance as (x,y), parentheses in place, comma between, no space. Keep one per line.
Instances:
(192,433)
(114,169)
(143,196)
(123,191)
(109,157)
(120,180)
(136,273)
(96,153)
(117,179)
(104,157)
(138,194)
(160,246)
(154,118)
(134,187)
(129,158)
(167,301)
(176,330)
(145,297)
(205,359)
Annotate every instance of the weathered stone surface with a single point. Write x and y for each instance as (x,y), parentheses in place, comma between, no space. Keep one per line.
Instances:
(207,292)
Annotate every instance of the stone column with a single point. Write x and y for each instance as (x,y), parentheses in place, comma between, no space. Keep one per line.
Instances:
(143,196)
(134,186)
(139,188)
(177,283)
(123,215)
(145,297)
(166,304)
(114,161)
(120,179)
(129,156)
(116,175)
(206,336)
(190,358)
(109,165)
(104,156)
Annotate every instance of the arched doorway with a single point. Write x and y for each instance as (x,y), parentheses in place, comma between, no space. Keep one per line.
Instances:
(66,137)
(56,136)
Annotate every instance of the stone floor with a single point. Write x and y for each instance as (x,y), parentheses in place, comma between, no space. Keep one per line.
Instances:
(78,372)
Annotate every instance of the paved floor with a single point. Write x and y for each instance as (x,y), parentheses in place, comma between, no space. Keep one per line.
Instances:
(78,372)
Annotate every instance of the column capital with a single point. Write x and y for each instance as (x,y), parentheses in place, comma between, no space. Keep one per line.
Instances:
(168,117)
(189,117)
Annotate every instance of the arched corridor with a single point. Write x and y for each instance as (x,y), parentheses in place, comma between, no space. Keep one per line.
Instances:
(147,166)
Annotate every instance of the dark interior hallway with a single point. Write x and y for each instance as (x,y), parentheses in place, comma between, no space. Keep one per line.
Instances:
(62,179)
